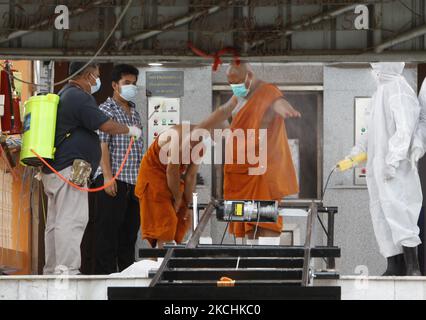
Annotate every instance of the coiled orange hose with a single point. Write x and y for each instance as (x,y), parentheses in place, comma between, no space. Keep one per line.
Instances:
(87,189)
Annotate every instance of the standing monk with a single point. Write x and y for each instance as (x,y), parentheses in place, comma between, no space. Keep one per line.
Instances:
(256,105)
(164,188)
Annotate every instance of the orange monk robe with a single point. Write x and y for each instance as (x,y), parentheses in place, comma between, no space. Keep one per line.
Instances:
(159,220)
(280,179)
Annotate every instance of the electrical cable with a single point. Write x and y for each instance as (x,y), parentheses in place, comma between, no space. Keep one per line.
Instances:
(87,189)
(257,223)
(123,13)
(323,195)
(224,233)
(226,229)
(410,9)
(322,199)
(326,184)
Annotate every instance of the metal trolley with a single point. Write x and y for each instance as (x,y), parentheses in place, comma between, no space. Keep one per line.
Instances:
(195,271)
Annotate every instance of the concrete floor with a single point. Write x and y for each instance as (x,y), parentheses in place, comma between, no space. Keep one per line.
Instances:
(95,287)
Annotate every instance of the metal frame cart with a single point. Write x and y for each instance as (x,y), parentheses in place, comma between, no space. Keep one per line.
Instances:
(195,271)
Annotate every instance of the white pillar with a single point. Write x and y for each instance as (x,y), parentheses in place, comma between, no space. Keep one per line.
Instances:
(194,211)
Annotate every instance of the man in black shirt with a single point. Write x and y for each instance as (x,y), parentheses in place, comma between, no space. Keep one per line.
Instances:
(76,141)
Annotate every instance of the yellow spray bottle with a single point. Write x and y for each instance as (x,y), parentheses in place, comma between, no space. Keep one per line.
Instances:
(351,162)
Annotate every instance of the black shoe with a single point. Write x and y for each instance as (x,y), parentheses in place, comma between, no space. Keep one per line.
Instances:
(411,262)
(396,266)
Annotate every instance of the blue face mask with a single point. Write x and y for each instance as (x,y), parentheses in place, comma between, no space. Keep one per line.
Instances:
(240,89)
(97,86)
(129,92)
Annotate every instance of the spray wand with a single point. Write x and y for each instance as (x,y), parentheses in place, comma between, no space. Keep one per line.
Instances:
(344,165)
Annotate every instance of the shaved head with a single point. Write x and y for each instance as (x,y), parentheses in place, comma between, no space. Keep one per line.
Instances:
(239,70)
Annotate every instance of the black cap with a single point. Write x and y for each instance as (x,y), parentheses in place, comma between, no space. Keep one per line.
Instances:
(75,66)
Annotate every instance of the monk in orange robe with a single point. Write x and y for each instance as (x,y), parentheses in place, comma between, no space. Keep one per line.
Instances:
(164,188)
(256,105)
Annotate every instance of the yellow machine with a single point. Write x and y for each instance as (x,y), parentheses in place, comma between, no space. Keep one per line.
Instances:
(352,162)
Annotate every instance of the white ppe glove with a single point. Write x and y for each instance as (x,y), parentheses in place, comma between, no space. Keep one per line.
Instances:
(389,172)
(134,132)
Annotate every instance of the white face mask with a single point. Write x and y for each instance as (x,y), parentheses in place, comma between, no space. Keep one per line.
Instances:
(97,86)
(129,92)
(240,89)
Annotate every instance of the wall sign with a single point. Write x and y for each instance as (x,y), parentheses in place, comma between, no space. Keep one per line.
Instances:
(168,84)
(164,113)
(362,108)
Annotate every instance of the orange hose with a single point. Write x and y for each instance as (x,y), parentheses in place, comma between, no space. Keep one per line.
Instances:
(87,189)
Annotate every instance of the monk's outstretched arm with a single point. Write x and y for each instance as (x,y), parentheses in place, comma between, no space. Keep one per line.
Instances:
(283,108)
(222,114)
(173,182)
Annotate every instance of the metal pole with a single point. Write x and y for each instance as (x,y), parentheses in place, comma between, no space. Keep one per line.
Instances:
(403,37)
(331,262)
(194,211)
(305,23)
(195,238)
(308,243)
(180,21)
(163,267)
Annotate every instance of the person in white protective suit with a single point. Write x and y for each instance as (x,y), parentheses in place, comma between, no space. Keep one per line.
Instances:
(418,147)
(392,179)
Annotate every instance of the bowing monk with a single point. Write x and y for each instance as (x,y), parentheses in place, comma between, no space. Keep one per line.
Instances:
(164,188)
(256,105)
